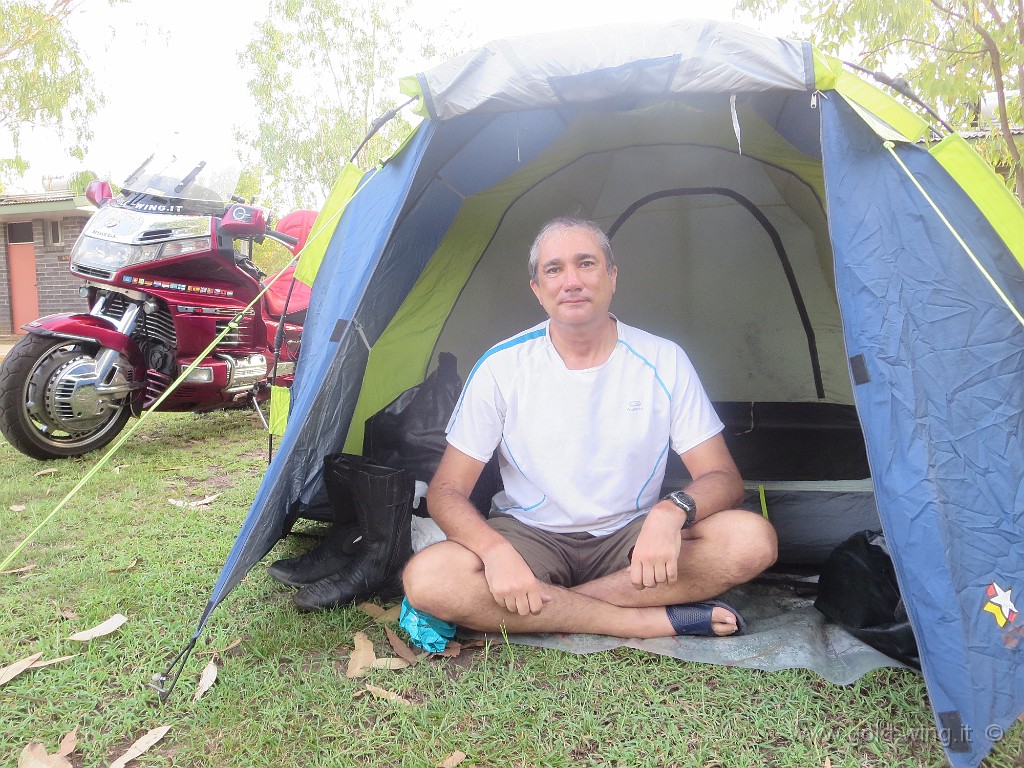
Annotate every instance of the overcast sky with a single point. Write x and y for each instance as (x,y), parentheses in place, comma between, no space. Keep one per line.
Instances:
(171,68)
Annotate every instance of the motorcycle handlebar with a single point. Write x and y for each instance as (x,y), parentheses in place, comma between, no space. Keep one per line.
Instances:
(282,238)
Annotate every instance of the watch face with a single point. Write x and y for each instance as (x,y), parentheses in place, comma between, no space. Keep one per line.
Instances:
(683,500)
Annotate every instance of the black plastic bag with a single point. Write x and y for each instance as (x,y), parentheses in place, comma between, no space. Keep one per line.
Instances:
(857,589)
(409,432)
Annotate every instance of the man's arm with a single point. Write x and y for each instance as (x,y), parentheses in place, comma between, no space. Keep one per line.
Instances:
(716,485)
(512,583)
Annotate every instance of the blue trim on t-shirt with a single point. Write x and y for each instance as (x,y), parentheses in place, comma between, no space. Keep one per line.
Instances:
(650,365)
(505,443)
(524,509)
(668,394)
(513,458)
(653,473)
(493,350)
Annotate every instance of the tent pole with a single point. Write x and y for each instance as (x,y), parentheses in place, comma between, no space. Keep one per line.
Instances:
(902,87)
(379,123)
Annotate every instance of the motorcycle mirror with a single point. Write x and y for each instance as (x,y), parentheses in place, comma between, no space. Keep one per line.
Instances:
(244,221)
(98,192)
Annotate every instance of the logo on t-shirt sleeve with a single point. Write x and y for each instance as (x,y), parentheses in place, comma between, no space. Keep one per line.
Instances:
(635,406)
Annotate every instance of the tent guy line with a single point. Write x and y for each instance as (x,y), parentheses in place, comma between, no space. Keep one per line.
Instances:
(232,325)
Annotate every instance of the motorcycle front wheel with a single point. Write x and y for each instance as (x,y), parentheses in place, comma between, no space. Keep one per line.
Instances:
(42,412)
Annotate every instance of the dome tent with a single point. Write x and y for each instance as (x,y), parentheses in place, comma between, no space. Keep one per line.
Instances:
(791,226)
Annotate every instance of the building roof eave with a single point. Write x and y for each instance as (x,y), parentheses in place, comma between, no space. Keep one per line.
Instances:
(15,208)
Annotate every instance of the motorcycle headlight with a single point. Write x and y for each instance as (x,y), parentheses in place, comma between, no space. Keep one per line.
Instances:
(111,256)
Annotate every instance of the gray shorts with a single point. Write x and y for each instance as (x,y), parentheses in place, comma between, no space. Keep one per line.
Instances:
(569,559)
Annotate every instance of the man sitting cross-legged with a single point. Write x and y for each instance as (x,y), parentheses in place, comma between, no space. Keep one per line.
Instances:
(583,410)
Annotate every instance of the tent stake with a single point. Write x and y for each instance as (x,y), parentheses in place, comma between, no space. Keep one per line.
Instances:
(159,681)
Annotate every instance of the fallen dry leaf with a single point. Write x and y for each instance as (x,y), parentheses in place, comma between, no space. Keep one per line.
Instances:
(372,609)
(128,567)
(455,758)
(400,647)
(67,613)
(23,569)
(206,680)
(390,664)
(389,615)
(108,626)
(11,671)
(17,507)
(141,746)
(362,656)
(451,650)
(171,469)
(42,472)
(36,756)
(380,693)
(827,763)
(200,503)
(68,743)
(40,664)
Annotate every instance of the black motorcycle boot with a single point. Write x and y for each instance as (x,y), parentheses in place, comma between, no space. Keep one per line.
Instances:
(338,548)
(383,504)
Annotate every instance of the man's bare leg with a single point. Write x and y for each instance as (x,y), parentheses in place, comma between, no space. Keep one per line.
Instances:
(721,552)
(727,549)
(447,581)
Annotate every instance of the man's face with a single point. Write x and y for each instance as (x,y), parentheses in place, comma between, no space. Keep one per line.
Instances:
(573,284)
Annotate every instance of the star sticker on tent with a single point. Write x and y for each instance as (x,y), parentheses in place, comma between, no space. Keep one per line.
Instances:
(1000,605)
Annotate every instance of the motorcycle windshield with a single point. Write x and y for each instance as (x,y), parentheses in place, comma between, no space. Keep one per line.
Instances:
(186,178)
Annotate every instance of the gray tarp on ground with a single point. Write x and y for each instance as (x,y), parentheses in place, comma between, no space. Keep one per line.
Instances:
(785,631)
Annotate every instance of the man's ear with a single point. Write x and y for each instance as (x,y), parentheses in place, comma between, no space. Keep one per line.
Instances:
(536,291)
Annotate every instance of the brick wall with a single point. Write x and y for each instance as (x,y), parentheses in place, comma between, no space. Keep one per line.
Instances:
(5,285)
(56,287)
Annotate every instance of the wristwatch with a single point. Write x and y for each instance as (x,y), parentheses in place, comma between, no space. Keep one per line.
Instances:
(686,503)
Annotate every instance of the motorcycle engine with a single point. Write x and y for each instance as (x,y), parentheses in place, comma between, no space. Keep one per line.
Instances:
(158,356)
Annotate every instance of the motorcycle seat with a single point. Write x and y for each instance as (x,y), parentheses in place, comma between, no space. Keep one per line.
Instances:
(277,295)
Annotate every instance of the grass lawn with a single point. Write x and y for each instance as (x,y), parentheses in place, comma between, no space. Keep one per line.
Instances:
(282,697)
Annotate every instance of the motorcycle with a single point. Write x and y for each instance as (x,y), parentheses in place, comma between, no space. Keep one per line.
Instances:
(163,278)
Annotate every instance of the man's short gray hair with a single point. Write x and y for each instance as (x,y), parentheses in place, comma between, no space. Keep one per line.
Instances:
(563,224)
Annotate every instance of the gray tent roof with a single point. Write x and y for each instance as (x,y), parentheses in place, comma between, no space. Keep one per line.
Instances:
(566,68)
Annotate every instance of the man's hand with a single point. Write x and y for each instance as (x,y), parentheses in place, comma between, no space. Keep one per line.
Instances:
(656,553)
(512,583)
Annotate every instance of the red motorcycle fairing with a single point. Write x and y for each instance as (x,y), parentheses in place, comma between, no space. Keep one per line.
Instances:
(89,328)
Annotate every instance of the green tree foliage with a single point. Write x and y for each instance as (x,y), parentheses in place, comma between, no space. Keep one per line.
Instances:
(80,180)
(952,52)
(43,79)
(324,70)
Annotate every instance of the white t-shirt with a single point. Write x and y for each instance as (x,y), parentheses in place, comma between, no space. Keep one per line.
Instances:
(581,450)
